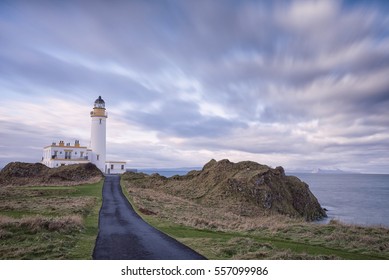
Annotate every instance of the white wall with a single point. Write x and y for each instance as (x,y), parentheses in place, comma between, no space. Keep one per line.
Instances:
(98,141)
(75,155)
(118,167)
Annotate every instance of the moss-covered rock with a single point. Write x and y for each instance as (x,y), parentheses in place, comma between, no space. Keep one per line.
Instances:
(245,188)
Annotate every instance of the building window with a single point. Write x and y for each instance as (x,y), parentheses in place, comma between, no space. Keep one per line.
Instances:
(122,166)
(100,121)
(111,166)
(68,155)
(81,154)
(97,157)
(62,164)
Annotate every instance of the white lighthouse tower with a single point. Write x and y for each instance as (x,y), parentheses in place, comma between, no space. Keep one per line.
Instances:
(98,134)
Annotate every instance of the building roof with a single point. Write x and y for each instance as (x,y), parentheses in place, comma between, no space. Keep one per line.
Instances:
(66,147)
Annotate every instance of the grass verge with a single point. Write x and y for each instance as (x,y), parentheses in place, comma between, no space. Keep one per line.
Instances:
(219,235)
(49,222)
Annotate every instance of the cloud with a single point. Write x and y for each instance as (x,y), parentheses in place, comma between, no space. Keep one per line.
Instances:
(293,83)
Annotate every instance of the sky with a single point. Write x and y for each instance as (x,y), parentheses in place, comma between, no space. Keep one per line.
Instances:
(301,84)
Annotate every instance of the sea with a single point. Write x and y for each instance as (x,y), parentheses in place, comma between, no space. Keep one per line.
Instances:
(360,199)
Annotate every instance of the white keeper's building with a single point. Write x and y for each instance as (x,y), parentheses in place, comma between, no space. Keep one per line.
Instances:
(73,153)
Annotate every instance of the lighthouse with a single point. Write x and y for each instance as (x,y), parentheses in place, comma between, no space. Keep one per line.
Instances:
(98,134)
(56,155)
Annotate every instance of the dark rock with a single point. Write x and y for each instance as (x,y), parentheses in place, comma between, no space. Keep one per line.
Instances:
(208,165)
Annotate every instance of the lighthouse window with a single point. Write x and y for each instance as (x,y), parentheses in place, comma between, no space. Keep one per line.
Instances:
(100,121)
(98,156)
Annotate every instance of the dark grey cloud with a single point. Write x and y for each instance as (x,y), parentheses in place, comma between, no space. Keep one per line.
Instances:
(183,119)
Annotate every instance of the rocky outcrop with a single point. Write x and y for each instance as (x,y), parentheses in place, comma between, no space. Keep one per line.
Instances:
(246,188)
(37,174)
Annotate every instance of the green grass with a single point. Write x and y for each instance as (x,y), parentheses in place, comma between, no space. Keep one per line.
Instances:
(213,244)
(281,240)
(85,245)
(49,222)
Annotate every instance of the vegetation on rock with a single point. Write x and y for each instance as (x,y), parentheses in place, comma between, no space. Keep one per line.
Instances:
(245,189)
(37,174)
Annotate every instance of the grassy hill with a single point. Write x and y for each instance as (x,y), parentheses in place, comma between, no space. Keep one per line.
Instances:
(37,174)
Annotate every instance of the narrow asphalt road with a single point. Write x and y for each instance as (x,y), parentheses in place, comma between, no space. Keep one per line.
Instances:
(123,235)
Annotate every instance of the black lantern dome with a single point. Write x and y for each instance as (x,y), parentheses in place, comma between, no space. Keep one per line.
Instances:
(99,103)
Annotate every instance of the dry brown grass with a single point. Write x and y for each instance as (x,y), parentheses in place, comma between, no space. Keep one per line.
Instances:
(38,223)
(190,213)
(354,238)
(25,192)
(186,212)
(29,174)
(245,189)
(48,222)
(4,234)
(43,204)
